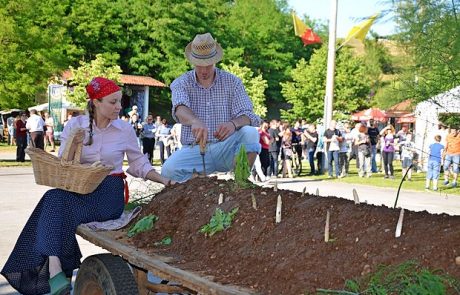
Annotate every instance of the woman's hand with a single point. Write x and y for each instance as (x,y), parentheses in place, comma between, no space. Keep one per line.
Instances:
(169,182)
(155,176)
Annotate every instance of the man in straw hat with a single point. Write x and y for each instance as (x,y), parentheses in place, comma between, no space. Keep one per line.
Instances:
(214,110)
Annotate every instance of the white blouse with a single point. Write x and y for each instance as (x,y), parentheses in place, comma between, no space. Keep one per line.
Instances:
(109,146)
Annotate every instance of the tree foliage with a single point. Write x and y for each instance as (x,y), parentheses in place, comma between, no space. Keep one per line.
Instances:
(430,34)
(255,86)
(306,91)
(33,47)
(99,67)
(40,39)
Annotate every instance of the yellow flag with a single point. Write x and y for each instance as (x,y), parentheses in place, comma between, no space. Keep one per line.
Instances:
(299,26)
(359,31)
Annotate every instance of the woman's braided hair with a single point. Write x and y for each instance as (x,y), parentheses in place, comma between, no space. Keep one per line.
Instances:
(90,108)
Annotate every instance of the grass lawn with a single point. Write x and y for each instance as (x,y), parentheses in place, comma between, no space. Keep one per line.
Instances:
(5,148)
(417,183)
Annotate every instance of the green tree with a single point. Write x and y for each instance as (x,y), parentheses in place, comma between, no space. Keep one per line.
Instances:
(306,91)
(261,37)
(430,34)
(33,47)
(255,86)
(83,75)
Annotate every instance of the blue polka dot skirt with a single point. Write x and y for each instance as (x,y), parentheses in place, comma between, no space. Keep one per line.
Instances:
(50,231)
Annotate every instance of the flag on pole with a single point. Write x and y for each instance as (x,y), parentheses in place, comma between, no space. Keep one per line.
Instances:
(359,31)
(304,32)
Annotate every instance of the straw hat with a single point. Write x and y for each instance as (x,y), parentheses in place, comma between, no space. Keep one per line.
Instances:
(203,50)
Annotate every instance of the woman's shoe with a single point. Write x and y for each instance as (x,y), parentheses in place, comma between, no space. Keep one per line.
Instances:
(59,284)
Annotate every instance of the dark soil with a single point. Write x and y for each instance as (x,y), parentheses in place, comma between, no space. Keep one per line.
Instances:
(291,257)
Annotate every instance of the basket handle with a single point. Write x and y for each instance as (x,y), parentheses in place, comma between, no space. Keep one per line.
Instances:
(75,143)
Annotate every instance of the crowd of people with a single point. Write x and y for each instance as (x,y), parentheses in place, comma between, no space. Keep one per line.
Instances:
(38,130)
(374,149)
(152,133)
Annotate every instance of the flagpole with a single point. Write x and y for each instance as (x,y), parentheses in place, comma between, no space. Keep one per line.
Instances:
(329,97)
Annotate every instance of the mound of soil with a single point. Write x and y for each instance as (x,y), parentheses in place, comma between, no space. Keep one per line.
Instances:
(292,257)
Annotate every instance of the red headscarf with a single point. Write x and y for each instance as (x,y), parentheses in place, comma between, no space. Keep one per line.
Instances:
(100,87)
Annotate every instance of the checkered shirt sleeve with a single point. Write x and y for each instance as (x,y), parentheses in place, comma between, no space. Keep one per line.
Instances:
(225,100)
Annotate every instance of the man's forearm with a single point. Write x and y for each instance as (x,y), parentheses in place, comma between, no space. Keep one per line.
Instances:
(185,115)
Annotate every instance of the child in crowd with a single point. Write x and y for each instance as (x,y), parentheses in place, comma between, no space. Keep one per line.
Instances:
(407,156)
(434,163)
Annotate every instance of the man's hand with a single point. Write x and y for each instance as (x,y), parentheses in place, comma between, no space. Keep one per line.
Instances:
(224,130)
(200,131)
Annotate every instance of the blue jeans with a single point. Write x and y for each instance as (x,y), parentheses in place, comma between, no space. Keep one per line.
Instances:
(433,170)
(454,160)
(333,156)
(219,156)
(273,163)
(373,162)
(311,159)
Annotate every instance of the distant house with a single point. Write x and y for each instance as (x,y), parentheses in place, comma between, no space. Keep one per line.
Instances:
(135,91)
(400,113)
(427,119)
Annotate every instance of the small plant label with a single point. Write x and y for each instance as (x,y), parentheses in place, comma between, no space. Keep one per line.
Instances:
(254,201)
(221,198)
(400,224)
(279,204)
(303,192)
(355,196)
(326,227)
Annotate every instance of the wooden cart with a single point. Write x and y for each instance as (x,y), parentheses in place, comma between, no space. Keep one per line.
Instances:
(123,271)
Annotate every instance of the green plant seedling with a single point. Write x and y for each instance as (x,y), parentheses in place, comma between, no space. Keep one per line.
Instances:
(145,224)
(219,222)
(242,170)
(165,242)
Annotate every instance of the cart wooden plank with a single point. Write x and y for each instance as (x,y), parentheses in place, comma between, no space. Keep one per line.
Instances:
(158,265)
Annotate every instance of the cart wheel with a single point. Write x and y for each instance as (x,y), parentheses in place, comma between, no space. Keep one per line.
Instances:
(105,274)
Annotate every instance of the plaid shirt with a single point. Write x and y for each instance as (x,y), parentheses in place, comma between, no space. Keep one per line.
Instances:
(225,100)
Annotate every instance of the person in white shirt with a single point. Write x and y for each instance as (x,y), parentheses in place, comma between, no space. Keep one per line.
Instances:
(49,134)
(175,132)
(332,137)
(35,126)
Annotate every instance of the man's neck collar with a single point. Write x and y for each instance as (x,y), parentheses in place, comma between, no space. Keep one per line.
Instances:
(207,84)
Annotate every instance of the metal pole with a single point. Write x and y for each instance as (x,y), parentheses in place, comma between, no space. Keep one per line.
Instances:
(329,97)
(146,103)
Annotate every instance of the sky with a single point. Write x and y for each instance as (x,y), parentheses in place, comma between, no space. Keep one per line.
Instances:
(349,13)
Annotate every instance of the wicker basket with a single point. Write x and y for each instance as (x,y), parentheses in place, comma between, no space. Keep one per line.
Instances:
(67,174)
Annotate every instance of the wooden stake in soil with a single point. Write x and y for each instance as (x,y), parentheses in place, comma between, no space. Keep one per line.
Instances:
(254,202)
(303,192)
(355,196)
(400,224)
(326,228)
(221,198)
(275,186)
(278,209)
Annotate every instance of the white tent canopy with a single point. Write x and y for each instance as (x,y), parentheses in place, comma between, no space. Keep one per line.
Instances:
(427,119)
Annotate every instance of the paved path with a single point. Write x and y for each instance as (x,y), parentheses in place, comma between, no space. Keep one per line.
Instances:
(19,194)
